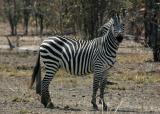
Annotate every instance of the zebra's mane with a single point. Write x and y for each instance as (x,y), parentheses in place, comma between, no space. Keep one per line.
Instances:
(103,29)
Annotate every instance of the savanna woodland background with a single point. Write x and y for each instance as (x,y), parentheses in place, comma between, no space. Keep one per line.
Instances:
(135,78)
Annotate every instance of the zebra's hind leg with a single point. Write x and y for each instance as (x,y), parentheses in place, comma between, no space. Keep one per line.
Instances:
(95,89)
(102,88)
(45,96)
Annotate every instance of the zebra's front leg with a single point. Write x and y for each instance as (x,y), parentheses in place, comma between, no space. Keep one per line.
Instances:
(95,89)
(103,83)
(45,96)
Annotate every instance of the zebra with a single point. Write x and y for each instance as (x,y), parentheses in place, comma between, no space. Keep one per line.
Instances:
(79,58)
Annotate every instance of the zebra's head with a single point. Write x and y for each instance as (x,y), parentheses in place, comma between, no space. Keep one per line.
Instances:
(116,25)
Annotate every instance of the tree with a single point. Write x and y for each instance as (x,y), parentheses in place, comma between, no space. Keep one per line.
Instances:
(83,17)
(26,14)
(13,14)
(151,27)
(92,16)
(37,8)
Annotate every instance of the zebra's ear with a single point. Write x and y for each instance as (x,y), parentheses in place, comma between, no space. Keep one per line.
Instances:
(112,13)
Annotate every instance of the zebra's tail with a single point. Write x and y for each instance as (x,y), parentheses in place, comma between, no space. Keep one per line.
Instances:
(36,76)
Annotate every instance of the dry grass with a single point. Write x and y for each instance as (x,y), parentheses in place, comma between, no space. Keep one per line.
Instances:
(134,69)
(133,58)
(138,78)
(131,71)
(12,71)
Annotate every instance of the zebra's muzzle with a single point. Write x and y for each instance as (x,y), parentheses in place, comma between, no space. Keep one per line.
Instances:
(119,38)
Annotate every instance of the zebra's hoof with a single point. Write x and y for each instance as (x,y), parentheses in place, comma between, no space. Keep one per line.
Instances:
(105,108)
(50,105)
(95,107)
(46,101)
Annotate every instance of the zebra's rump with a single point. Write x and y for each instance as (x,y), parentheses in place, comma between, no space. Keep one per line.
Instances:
(71,55)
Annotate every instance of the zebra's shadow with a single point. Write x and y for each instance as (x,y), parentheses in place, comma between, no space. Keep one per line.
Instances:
(67,108)
(124,110)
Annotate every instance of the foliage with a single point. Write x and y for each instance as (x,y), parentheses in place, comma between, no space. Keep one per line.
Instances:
(82,17)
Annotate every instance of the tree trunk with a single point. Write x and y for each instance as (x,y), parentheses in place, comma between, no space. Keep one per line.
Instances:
(151,31)
(26,14)
(15,18)
(92,11)
(41,23)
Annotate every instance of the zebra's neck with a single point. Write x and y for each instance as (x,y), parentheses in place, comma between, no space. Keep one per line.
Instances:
(105,28)
(110,44)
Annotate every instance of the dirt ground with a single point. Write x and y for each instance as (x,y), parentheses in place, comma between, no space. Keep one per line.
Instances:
(136,89)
